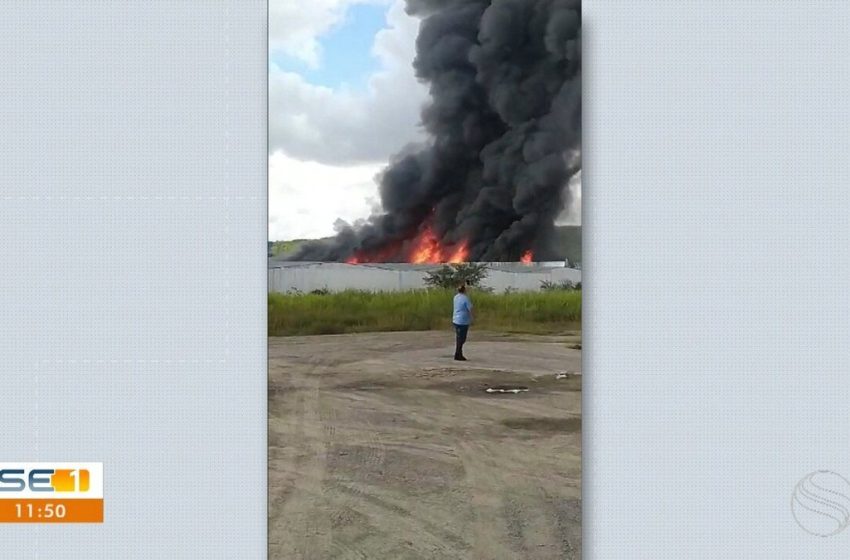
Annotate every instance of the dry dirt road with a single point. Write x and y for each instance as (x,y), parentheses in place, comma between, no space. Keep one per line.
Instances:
(383,447)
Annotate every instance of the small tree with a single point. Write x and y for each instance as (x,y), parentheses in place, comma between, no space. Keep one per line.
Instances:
(452,276)
(550,286)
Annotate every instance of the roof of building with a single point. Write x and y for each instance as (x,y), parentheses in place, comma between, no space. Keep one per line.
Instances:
(507,267)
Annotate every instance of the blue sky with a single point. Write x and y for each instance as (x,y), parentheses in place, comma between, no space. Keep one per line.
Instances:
(346,57)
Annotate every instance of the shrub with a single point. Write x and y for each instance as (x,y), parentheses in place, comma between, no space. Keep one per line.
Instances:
(452,276)
(549,286)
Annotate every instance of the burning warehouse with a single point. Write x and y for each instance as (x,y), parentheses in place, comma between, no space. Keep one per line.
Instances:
(504,128)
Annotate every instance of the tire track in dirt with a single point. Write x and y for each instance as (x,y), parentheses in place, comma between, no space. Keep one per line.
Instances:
(341,503)
(395,453)
(371,500)
(306,530)
(531,518)
(514,521)
(402,521)
(488,529)
(567,513)
(284,462)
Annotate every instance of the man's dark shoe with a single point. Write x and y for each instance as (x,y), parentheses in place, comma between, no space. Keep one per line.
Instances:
(460,358)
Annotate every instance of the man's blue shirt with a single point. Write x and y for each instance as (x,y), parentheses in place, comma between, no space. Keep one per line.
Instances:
(462,307)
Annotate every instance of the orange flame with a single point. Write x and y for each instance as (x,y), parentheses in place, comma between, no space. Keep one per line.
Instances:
(460,255)
(427,249)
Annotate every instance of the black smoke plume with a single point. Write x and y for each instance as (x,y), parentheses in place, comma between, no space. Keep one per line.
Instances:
(504,129)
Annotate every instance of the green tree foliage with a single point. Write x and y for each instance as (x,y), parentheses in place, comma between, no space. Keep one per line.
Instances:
(563,285)
(452,276)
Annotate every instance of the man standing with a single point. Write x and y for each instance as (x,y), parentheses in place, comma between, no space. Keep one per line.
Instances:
(461,319)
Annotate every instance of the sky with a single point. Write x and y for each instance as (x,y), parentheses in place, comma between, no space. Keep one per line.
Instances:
(343,99)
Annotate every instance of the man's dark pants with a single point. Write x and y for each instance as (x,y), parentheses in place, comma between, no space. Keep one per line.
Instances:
(460,331)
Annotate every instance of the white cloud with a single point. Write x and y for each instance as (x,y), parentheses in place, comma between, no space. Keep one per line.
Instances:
(342,127)
(306,197)
(327,145)
(295,25)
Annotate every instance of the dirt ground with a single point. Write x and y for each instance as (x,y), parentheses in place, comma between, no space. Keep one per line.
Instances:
(383,447)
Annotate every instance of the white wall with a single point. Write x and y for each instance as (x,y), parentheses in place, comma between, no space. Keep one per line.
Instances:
(338,276)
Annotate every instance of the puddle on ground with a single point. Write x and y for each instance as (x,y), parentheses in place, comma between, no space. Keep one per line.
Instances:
(544,424)
(477,386)
(455,382)
(507,389)
(370,385)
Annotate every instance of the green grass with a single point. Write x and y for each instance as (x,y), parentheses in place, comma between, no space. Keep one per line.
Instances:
(285,248)
(421,310)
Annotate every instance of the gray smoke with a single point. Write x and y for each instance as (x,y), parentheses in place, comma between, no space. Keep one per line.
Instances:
(504,125)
